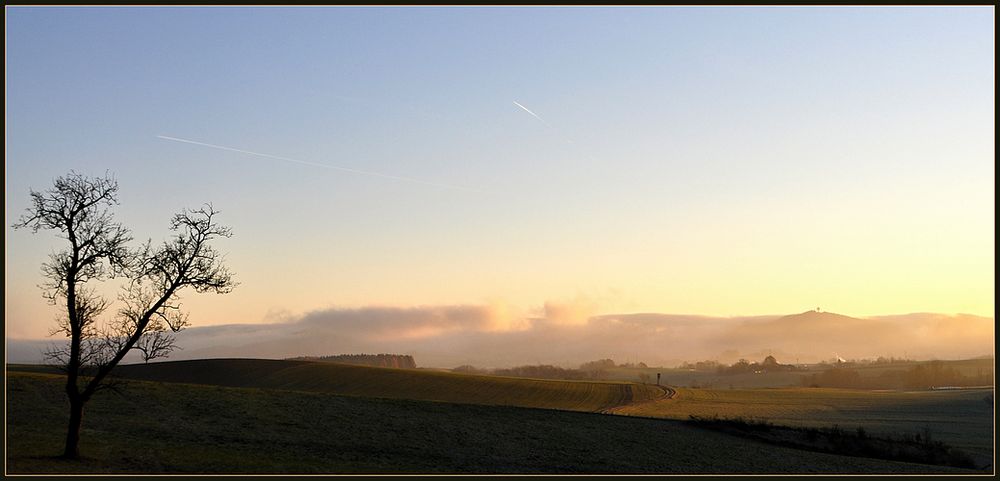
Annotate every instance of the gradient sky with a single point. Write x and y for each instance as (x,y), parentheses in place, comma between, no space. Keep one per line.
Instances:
(718,161)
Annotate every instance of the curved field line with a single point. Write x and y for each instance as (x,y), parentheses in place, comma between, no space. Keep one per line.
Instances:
(666,393)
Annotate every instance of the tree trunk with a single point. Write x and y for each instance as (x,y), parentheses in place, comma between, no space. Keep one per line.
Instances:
(73,432)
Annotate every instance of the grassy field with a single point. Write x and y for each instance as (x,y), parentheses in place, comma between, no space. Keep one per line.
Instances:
(961,418)
(972,367)
(187,428)
(967,367)
(414,384)
(714,380)
(686,378)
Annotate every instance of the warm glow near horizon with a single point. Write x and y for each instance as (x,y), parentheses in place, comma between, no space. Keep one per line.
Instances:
(718,162)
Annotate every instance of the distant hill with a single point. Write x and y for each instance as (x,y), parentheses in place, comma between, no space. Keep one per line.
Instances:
(381,382)
(398,361)
(814,316)
(827,334)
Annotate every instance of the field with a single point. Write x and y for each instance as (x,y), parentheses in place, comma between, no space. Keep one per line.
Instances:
(967,367)
(416,384)
(714,380)
(187,428)
(961,418)
(684,377)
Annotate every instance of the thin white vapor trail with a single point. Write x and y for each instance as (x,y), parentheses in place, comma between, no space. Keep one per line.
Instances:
(526,109)
(315,164)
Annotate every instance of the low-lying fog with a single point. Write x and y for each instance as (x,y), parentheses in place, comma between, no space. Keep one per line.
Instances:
(485,336)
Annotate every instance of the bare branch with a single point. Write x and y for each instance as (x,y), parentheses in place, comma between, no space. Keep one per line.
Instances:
(150,301)
(156,343)
(78,208)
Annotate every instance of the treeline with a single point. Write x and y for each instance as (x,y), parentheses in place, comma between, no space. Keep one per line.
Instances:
(880,361)
(541,371)
(920,376)
(703,366)
(378,360)
(593,370)
(769,364)
(743,366)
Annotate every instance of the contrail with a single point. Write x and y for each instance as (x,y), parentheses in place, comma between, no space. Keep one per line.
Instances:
(526,109)
(315,164)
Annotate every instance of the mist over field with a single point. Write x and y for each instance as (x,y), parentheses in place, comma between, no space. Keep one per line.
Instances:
(488,336)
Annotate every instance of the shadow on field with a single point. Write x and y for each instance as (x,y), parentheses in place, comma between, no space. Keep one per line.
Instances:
(916,448)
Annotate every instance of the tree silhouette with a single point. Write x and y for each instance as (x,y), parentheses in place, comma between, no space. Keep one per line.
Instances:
(78,207)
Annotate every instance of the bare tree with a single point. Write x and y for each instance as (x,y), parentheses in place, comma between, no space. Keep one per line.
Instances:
(78,207)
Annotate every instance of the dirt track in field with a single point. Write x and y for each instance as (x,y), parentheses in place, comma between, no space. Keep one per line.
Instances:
(668,393)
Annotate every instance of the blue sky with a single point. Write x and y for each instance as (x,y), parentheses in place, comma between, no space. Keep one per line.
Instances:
(704,160)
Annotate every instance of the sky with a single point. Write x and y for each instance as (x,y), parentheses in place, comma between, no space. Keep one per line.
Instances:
(547,163)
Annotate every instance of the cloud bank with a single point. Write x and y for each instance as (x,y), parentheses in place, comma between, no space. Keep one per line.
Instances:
(568,333)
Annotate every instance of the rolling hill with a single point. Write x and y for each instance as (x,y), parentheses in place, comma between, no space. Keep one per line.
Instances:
(826,335)
(367,381)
